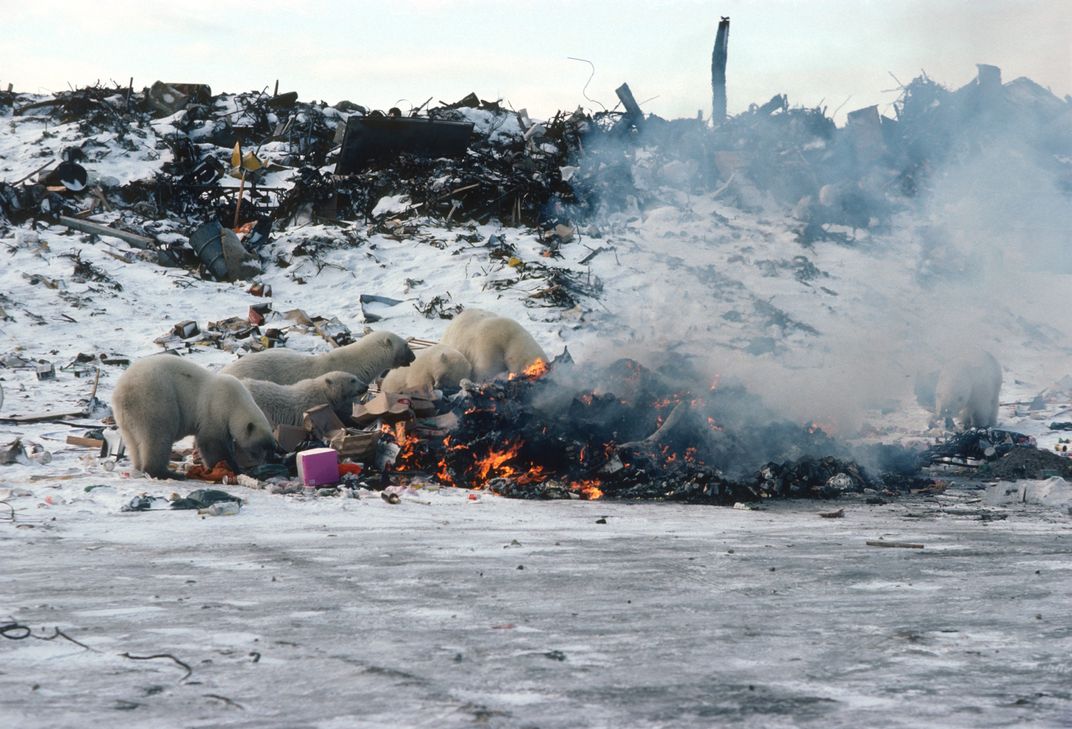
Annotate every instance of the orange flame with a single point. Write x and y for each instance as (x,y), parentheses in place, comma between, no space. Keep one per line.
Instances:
(443,474)
(495,462)
(533,475)
(407,443)
(538,368)
(588,488)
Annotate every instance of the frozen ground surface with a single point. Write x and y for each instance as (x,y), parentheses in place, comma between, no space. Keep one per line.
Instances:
(344,613)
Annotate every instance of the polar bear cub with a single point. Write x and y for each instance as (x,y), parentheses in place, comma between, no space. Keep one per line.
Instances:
(286,404)
(493,344)
(162,398)
(968,389)
(367,358)
(440,367)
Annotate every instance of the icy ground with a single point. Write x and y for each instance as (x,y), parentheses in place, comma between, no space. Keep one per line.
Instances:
(446,612)
(340,613)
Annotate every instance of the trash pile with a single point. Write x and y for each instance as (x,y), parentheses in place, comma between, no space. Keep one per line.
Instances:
(263,327)
(992,453)
(640,435)
(254,162)
(238,179)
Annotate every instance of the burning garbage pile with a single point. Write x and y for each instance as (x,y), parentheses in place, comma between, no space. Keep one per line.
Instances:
(639,435)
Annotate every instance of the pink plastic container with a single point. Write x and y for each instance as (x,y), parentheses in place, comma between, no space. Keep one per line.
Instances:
(318,466)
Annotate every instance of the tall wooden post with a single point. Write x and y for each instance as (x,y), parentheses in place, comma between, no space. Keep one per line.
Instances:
(718,72)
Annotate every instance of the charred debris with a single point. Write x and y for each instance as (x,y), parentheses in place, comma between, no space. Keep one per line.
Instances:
(656,434)
(642,434)
(478,160)
(236,169)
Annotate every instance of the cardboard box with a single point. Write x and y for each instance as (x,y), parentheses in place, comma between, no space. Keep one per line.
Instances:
(289,437)
(359,445)
(318,466)
(322,422)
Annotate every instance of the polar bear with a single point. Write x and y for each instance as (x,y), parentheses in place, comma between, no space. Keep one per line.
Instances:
(286,404)
(440,367)
(968,389)
(367,358)
(163,398)
(492,344)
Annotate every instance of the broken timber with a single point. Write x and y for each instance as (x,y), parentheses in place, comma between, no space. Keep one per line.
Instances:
(633,114)
(894,545)
(664,430)
(86,226)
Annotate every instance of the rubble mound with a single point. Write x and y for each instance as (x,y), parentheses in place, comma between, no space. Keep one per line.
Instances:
(642,435)
(1027,463)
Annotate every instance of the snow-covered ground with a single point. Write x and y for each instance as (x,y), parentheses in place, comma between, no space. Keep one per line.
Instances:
(339,612)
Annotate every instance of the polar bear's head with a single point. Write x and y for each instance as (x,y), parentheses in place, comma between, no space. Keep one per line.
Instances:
(341,388)
(404,356)
(249,429)
(448,367)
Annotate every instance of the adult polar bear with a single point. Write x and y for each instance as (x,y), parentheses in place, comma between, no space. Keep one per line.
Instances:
(493,344)
(162,398)
(286,404)
(967,389)
(367,358)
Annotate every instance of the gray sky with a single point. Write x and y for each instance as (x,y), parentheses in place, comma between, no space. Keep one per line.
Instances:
(385,53)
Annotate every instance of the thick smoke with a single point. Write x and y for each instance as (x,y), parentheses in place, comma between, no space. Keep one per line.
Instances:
(946,237)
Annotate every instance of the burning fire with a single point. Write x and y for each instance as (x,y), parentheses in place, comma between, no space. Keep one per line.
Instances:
(443,472)
(539,368)
(495,462)
(407,458)
(533,475)
(588,488)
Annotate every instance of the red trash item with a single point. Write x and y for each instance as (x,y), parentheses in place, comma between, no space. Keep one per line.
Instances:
(216,474)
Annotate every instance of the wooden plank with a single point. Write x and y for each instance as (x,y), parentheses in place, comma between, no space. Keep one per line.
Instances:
(632,108)
(77,440)
(42,418)
(896,545)
(88,226)
(418,344)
